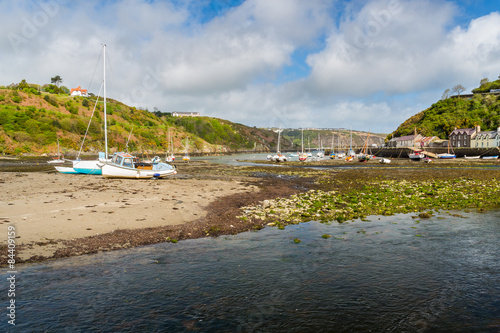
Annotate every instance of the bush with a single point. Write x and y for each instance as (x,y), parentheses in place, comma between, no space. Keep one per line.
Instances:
(50,100)
(85,103)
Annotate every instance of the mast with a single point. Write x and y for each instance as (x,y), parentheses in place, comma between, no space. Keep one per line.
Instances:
(279,135)
(104,84)
(302,141)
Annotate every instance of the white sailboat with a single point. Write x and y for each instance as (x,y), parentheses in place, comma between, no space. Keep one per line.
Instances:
(57,160)
(169,157)
(124,165)
(186,156)
(302,155)
(279,157)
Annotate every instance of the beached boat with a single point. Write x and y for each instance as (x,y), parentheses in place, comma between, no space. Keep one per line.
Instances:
(58,159)
(364,157)
(302,155)
(489,157)
(92,167)
(447,155)
(169,157)
(417,155)
(186,157)
(385,160)
(279,157)
(124,165)
(472,157)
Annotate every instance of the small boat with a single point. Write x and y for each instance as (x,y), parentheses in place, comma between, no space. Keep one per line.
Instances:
(124,165)
(471,157)
(58,159)
(385,160)
(489,157)
(417,155)
(186,157)
(446,156)
(293,155)
(349,158)
(279,157)
(427,160)
(302,155)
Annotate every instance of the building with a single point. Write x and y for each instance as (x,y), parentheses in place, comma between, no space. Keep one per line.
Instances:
(405,141)
(486,139)
(462,137)
(185,114)
(79,92)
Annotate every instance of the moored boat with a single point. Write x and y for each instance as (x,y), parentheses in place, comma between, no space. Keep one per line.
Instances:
(490,157)
(124,165)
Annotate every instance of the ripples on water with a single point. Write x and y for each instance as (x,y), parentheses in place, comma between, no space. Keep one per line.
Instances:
(394,274)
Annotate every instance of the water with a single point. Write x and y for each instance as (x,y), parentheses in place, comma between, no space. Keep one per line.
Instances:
(393,274)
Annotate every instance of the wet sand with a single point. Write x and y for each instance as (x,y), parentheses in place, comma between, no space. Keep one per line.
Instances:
(48,210)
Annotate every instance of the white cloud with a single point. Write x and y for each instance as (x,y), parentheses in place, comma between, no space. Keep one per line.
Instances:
(382,59)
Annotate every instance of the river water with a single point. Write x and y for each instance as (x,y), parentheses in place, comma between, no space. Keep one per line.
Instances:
(390,274)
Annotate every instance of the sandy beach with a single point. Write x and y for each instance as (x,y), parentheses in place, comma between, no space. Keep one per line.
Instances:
(48,210)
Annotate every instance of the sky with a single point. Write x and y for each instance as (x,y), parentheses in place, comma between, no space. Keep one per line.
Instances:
(366,65)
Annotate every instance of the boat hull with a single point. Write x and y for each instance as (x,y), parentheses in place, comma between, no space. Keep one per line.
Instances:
(87,167)
(66,170)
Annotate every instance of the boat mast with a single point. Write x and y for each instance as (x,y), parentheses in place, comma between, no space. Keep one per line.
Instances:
(302,141)
(104,84)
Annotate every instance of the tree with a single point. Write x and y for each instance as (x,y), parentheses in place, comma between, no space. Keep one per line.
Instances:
(56,80)
(484,81)
(446,94)
(458,89)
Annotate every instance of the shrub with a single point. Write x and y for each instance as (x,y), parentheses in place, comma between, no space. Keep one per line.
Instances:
(50,100)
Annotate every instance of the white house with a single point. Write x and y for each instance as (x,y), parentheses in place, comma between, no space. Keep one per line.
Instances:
(486,139)
(79,92)
(185,114)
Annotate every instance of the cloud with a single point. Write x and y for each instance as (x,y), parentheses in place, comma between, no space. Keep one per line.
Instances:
(367,60)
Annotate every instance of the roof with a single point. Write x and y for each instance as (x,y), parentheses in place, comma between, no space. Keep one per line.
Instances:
(407,137)
(486,134)
(83,91)
(468,131)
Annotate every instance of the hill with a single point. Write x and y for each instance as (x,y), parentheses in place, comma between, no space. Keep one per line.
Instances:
(33,118)
(482,108)
(315,138)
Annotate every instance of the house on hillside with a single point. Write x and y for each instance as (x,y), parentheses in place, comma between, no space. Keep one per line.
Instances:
(462,137)
(185,114)
(486,139)
(79,92)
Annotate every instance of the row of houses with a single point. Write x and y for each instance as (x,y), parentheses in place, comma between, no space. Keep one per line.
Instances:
(463,137)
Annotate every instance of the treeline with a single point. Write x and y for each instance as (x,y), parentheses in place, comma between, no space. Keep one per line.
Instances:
(443,116)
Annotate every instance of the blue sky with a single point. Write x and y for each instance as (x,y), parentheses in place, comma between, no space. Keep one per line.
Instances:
(289,63)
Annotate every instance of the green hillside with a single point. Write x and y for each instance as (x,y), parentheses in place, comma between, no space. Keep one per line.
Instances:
(32,118)
(482,108)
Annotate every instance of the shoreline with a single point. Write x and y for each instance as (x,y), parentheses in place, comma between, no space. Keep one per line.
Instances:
(58,216)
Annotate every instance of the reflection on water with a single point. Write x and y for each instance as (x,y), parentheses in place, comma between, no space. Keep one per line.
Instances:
(395,274)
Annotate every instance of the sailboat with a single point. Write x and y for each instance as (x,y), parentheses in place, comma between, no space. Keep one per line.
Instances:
(447,155)
(364,157)
(170,156)
(302,155)
(320,153)
(125,165)
(279,157)
(58,159)
(186,156)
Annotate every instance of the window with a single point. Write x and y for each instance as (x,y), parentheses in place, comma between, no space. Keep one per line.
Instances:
(127,162)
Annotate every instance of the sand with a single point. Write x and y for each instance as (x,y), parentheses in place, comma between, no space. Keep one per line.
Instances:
(47,209)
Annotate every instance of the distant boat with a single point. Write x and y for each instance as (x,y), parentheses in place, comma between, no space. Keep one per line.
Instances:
(293,155)
(472,157)
(385,161)
(417,155)
(489,157)
(279,157)
(58,159)
(186,156)
(302,155)
(448,155)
